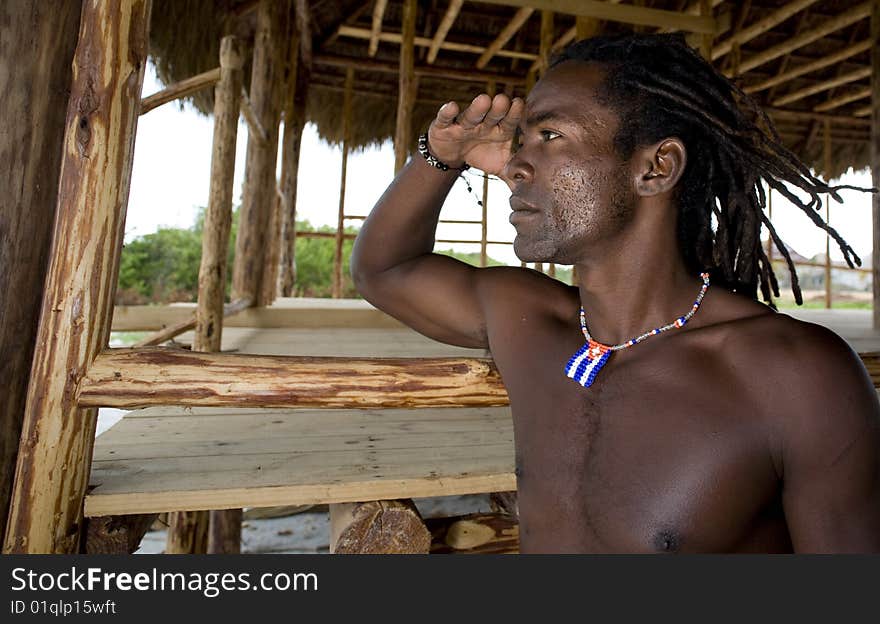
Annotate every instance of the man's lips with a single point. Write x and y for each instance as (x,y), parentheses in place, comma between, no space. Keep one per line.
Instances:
(522,211)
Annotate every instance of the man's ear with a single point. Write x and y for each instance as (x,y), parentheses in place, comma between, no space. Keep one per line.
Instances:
(660,166)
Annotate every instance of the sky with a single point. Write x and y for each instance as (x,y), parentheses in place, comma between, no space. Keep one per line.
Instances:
(172,164)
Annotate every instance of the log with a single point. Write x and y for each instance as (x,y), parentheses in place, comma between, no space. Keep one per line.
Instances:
(761,26)
(378,14)
(172,331)
(406,92)
(180,89)
(495,534)
(340,223)
(37,40)
(57,436)
(626,14)
(116,535)
(519,18)
(259,184)
(825,85)
(452,12)
(187,533)
(378,528)
(158,376)
(875,153)
(834,24)
(294,122)
(255,128)
(821,63)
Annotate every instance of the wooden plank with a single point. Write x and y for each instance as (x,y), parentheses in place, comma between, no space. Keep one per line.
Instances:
(834,24)
(516,22)
(760,26)
(52,470)
(825,85)
(157,376)
(424,42)
(36,49)
(443,29)
(626,14)
(378,14)
(406,87)
(181,89)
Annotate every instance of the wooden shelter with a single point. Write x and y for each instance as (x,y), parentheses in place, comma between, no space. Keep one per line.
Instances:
(362,72)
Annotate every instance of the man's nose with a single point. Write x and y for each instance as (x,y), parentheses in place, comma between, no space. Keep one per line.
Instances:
(516,171)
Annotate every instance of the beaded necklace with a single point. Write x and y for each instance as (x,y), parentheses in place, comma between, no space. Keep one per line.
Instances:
(588,361)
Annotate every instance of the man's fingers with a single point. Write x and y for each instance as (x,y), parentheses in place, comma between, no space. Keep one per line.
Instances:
(446,115)
(514,115)
(500,106)
(474,114)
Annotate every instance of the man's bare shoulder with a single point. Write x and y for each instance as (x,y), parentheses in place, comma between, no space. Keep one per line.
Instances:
(527,289)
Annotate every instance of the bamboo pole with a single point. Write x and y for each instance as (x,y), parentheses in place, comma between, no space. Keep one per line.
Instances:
(827,158)
(807,68)
(157,376)
(57,436)
(378,13)
(546,41)
(443,29)
(294,122)
(707,38)
(825,85)
(519,18)
(844,99)
(875,154)
(484,219)
(181,89)
(340,222)
(759,27)
(259,183)
(406,92)
(336,60)
(36,50)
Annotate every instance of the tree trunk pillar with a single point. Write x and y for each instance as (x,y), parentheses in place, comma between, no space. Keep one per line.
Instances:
(57,438)
(406,91)
(875,152)
(340,223)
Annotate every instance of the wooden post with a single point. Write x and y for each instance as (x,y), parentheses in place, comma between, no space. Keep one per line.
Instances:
(706,38)
(546,42)
(827,157)
(55,454)
(294,122)
(484,256)
(406,92)
(187,533)
(875,154)
(37,40)
(340,223)
(251,246)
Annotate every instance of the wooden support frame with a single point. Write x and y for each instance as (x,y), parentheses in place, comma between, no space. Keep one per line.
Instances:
(761,26)
(794,96)
(180,89)
(516,22)
(172,331)
(452,12)
(158,376)
(626,14)
(431,71)
(846,98)
(843,20)
(57,436)
(378,14)
(406,88)
(256,131)
(340,222)
(875,153)
(837,57)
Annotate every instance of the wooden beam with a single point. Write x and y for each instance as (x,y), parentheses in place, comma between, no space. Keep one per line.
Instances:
(834,24)
(405,91)
(181,89)
(424,42)
(816,65)
(57,436)
(340,222)
(693,8)
(378,14)
(258,194)
(159,376)
(626,14)
(794,96)
(546,41)
(443,29)
(519,18)
(875,153)
(172,331)
(706,38)
(480,533)
(36,50)
(255,129)
(846,98)
(837,120)
(864,111)
(761,26)
(419,70)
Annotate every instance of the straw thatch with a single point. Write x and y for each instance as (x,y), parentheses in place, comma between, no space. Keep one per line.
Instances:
(185,41)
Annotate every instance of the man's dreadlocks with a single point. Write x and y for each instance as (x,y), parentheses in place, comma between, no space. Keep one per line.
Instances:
(660,87)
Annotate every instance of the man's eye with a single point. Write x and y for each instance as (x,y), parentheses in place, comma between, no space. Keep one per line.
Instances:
(549,135)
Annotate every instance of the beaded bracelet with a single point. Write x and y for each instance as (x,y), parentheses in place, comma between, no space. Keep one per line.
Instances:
(432,160)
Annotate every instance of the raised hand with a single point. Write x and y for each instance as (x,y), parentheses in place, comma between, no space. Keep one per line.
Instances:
(482,135)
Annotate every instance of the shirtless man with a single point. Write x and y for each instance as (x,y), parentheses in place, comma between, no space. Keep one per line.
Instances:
(744,430)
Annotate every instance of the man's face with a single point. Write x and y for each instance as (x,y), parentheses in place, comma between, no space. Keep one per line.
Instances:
(570,191)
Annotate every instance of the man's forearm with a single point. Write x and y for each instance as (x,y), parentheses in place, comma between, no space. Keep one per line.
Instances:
(403,223)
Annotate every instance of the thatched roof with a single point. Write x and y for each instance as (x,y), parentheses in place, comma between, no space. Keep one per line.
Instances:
(185,41)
